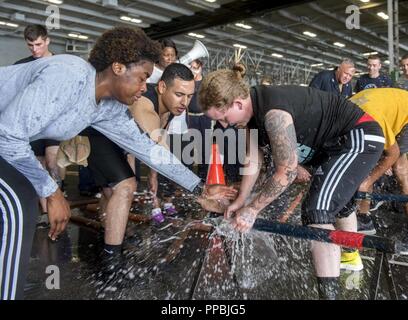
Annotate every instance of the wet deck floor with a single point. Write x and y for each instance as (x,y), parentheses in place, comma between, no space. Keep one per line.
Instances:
(264,266)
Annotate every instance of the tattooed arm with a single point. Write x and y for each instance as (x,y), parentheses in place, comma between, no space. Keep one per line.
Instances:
(282,136)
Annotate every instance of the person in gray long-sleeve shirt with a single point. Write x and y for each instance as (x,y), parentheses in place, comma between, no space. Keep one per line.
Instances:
(57,97)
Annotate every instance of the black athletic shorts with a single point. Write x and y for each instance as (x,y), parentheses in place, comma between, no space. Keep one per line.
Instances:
(402,140)
(107,161)
(39,146)
(345,162)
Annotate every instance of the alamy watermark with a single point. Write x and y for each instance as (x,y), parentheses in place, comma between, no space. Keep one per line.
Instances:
(353,20)
(53,281)
(53,20)
(195,147)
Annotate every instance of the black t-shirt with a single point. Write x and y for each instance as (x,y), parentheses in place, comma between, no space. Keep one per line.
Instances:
(28,59)
(318,116)
(365,82)
(152,95)
(25,60)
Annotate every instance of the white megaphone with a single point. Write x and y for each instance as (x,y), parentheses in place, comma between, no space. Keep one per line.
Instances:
(198,51)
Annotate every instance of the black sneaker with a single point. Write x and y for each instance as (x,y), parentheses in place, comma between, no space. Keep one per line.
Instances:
(365,224)
(134,240)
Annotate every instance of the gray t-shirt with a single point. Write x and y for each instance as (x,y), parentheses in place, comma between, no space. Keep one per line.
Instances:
(54,98)
(402,83)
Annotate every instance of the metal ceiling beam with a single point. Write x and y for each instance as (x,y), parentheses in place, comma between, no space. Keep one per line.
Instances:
(266,61)
(281,41)
(317,57)
(342,20)
(62,26)
(43,13)
(167,6)
(264,45)
(230,12)
(326,29)
(298,45)
(56,33)
(94,13)
(128,10)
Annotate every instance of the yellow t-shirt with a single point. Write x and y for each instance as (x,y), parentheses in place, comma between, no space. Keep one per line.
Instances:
(388,106)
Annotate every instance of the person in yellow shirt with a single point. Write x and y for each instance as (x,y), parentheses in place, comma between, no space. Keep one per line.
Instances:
(389,107)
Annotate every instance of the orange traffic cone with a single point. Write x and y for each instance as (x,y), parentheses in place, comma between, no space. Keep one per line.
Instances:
(215,173)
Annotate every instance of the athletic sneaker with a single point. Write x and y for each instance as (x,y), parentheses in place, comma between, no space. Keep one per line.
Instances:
(365,224)
(169,209)
(351,261)
(157,215)
(110,267)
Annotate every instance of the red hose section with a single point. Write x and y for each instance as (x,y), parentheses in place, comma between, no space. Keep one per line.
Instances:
(347,239)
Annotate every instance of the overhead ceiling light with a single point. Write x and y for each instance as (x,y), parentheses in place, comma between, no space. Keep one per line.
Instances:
(196,35)
(383,15)
(8,24)
(316,65)
(130,19)
(55,1)
(339,44)
(237,45)
(387,61)
(303,85)
(310,34)
(370,53)
(206,5)
(210,1)
(243,26)
(77,36)
(365,1)
(277,55)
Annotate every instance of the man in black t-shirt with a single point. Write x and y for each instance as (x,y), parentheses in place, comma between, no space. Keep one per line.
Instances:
(301,125)
(373,79)
(153,113)
(37,39)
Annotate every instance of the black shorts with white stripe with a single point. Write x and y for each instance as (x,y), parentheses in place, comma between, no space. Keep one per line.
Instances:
(402,140)
(18,216)
(345,162)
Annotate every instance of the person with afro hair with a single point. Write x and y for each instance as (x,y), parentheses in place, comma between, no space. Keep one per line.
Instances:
(56,98)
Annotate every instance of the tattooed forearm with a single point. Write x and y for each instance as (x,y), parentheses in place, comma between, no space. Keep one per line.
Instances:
(270,190)
(282,136)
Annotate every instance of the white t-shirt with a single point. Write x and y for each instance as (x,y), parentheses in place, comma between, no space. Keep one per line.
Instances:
(156,75)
